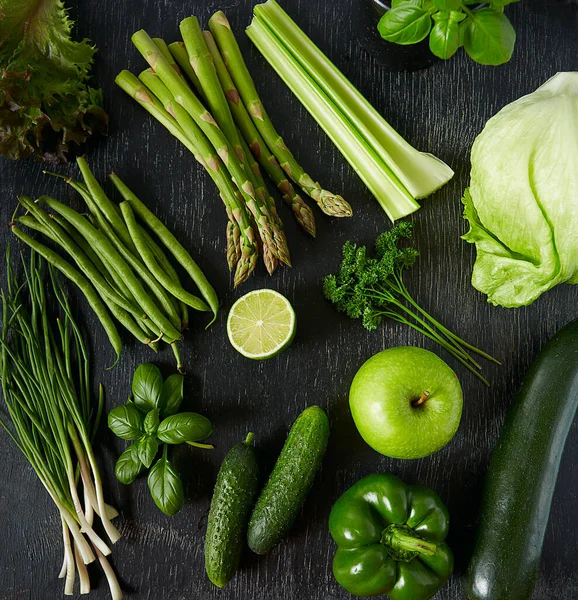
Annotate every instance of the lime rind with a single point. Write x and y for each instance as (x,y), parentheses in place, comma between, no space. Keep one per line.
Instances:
(261,324)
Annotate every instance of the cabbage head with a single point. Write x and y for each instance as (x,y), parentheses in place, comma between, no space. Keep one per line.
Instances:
(522,203)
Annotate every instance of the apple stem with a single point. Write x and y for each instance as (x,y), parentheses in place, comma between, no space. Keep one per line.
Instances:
(424,396)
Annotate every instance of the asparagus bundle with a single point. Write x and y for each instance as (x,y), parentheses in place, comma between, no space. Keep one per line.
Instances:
(231,138)
(118,265)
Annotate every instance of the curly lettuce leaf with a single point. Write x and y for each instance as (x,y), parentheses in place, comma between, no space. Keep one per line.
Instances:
(46,107)
(521,203)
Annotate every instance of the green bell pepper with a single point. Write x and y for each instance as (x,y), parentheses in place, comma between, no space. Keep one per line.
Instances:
(390,539)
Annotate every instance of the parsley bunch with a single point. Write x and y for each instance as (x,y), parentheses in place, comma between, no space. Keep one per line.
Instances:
(372,289)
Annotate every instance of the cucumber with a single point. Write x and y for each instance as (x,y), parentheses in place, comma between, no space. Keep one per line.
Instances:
(233,497)
(522,475)
(290,481)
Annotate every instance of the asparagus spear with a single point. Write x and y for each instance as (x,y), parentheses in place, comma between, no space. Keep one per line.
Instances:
(206,155)
(134,88)
(254,140)
(330,203)
(202,63)
(203,118)
(233,247)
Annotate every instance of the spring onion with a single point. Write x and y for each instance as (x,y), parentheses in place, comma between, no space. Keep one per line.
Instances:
(45,379)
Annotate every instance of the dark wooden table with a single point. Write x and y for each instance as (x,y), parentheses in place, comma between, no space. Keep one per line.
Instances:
(440,110)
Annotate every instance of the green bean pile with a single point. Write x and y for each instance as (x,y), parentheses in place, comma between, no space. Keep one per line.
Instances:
(118,266)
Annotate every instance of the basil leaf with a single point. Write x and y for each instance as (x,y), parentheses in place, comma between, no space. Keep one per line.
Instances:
(147,386)
(172,394)
(151,422)
(444,39)
(166,487)
(184,427)
(128,466)
(147,448)
(126,422)
(447,4)
(489,37)
(405,24)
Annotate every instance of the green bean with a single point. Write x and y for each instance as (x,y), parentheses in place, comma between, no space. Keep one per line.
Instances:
(85,287)
(99,222)
(166,265)
(172,244)
(151,263)
(82,262)
(86,248)
(105,206)
(98,240)
(42,223)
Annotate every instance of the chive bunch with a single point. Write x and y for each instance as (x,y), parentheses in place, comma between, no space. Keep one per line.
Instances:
(52,416)
(119,266)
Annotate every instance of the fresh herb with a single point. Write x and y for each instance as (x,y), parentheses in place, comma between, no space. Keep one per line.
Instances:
(485,32)
(393,171)
(52,416)
(523,219)
(372,289)
(151,420)
(46,107)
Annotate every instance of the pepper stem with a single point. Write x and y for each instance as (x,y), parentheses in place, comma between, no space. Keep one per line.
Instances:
(403,544)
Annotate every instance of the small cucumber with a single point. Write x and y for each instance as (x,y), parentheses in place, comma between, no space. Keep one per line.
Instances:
(233,497)
(290,482)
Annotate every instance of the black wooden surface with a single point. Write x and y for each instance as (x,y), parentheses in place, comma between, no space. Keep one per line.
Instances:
(440,110)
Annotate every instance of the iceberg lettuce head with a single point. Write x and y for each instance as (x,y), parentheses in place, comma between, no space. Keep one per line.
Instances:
(522,203)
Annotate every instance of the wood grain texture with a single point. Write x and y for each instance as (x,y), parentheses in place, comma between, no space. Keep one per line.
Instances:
(440,110)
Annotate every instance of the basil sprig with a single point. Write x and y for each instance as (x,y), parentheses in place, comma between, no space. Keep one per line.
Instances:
(152,420)
(485,32)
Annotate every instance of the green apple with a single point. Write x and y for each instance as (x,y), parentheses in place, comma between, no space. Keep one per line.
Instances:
(406,402)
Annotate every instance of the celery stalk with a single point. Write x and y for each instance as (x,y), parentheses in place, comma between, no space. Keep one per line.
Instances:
(391,194)
(421,173)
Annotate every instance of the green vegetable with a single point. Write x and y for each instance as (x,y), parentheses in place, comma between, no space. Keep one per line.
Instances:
(395,172)
(485,32)
(128,466)
(82,283)
(330,203)
(444,39)
(178,87)
(152,420)
(126,422)
(184,427)
(144,294)
(522,475)
(188,132)
(46,107)
(51,415)
(371,289)
(520,204)
(172,393)
(147,387)
(165,486)
(390,539)
(290,481)
(233,497)
(256,143)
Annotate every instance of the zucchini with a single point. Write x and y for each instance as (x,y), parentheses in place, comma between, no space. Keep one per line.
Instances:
(233,497)
(522,475)
(290,481)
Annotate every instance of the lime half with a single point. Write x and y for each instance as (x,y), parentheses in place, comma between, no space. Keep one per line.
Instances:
(261,324)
